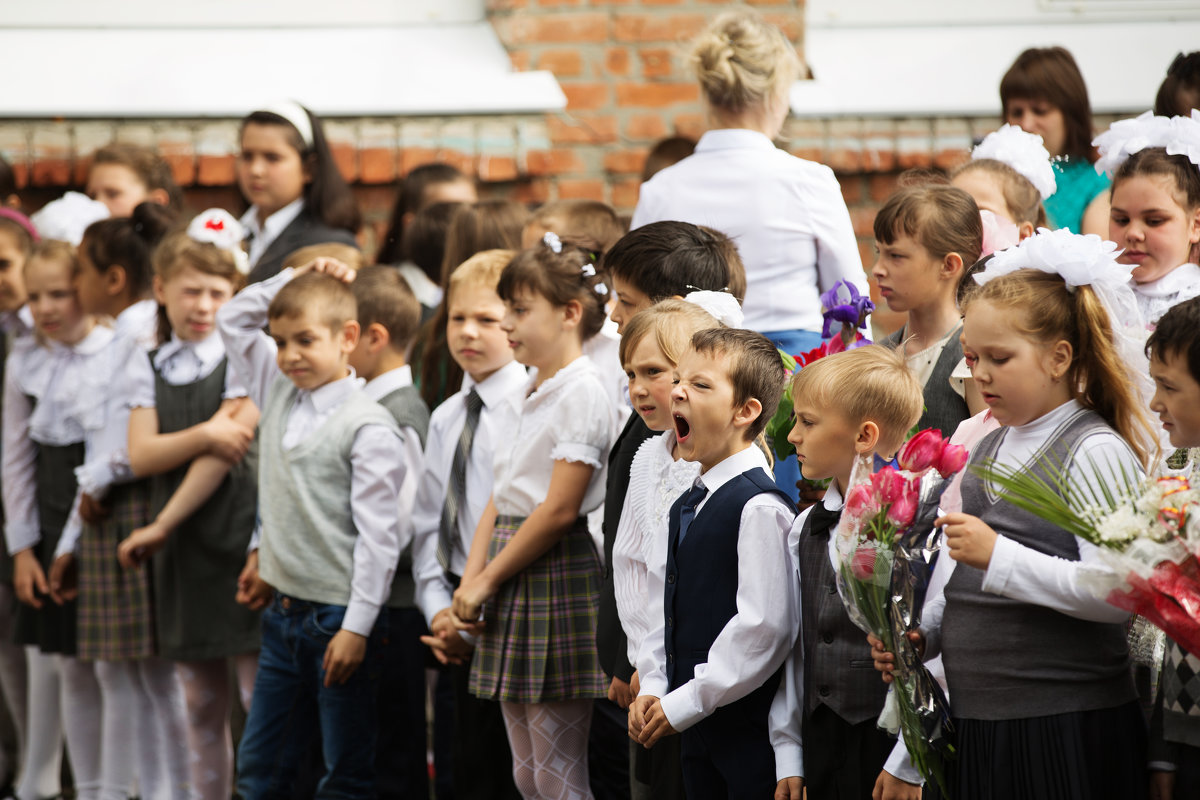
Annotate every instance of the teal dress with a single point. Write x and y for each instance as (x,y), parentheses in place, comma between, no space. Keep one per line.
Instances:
(1077,183)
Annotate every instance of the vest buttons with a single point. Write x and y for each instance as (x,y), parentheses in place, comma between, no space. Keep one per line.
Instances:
(832,587)
(670,658)
(671,577)
(824,691)
(670,621)
(827,638)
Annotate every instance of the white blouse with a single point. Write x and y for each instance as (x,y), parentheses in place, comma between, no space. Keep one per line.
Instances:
(44,403)
(570,417)
(786,216)
(180,363)
(656,480)
(1156,298)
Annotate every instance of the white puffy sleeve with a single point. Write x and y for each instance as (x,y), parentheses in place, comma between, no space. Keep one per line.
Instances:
(583,426)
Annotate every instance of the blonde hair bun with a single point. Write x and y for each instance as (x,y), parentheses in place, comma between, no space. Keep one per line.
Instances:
(741,59)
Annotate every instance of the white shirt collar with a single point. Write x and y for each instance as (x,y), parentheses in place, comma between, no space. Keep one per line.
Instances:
(96,340)
(329,396)
(383,385)
(735,465)
(733,138)
(274,224)
(1182,277)
(504,382)
(136,319)
(17,323)
(208,350)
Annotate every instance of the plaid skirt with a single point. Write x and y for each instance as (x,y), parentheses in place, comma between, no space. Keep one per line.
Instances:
(115,618)
(540,642)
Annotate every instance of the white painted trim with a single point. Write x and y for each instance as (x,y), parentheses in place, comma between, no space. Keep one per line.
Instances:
(232,14)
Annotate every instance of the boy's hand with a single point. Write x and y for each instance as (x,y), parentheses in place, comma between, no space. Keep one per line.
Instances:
(656,726)
(889,787)
(637,715)
(92,510)
(345,652)
(64,579)
(620,692)
(970,539)
(447,646)
(227,438)
(635,686)
(252,592)
(142,544)
(790,789)
(330,266)
(885,662)
(29,580)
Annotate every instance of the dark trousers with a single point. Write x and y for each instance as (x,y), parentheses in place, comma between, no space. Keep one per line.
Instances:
(400,765)
(660,768)
(728,756)
(482,758)
(608,751)
(842,761)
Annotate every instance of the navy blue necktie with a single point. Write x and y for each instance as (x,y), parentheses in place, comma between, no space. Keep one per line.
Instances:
(688,512)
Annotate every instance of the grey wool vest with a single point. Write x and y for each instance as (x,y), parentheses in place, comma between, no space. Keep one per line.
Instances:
(409,410)
(1008,659)
(308,537)
(944,408)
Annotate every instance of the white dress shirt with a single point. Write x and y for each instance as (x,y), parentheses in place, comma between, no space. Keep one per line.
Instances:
(427,292)
(43,404)
(1156,297)
(377,456)
(656,480)
(262,235)
(180,363)
(756,640)
(786,216)
(570,417)
(502,395)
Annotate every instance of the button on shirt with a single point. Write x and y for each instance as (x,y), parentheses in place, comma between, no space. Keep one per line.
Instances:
(754,643)
(376,457)
(501,395)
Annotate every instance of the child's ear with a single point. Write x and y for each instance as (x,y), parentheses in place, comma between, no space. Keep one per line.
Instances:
(1061,355)
(159,196)
(866,438)
(952,266)
(349,336)
(1024,231)
(376,336)
(115,280)
(1194,232)
(572,313)
(745,414)
(159,295)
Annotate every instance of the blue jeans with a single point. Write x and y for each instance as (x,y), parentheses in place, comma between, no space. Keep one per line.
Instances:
(787,471)
(291,706)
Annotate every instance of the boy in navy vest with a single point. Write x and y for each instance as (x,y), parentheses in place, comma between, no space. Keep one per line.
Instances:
(731,603)
(846,405)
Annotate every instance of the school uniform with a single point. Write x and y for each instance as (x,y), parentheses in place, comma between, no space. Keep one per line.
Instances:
(482,761)
(283,233)
(1175,724)
(332,463)
(1158,296)
(731,611)
(400,762)
(945,403)
(520,658)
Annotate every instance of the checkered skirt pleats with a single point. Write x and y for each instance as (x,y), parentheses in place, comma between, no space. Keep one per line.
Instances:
(115,617)
(540,641)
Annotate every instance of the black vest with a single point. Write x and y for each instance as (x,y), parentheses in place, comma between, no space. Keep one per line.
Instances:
(1008,659)
(944,409)
(409,410)
(838,670)
(702,575)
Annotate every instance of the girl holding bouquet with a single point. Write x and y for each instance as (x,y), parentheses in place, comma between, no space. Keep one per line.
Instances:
(1038,668)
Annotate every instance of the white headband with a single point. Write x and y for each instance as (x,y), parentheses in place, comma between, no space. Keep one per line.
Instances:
(1180,136)
(219,228)
(1022,151)
(294,113)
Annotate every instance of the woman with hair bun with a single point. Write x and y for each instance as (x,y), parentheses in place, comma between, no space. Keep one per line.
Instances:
(786,214)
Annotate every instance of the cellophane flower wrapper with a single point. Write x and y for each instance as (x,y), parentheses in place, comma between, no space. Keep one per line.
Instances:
(886,543)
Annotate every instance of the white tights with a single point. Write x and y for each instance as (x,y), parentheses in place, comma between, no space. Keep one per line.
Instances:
(41,752)
(82,720)
(209,693)
(549,748)
(150,742)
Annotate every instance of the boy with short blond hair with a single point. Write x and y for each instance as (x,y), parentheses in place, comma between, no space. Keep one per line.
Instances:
(731,606)
(331,462)
(846,405)
(454,489)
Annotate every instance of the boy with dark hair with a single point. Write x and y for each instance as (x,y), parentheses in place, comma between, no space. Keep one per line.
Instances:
(731,607)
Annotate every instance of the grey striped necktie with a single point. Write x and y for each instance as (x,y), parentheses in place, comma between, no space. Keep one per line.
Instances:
(456,490)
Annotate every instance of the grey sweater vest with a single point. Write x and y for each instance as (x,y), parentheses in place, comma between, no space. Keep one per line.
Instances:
(944,408)
(409,410)
(307,547)
(1007,659)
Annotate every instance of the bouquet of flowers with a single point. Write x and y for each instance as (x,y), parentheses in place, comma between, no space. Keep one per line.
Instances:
(1148,532)
(885,543)
(844,305)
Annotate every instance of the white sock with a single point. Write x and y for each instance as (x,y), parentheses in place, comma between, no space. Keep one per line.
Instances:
(83,719)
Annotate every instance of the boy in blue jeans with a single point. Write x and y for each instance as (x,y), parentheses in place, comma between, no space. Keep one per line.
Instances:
(330,467)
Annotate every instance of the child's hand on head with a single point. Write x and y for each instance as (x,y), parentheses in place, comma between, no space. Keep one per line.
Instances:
(970,539)
(345,652)
(329,266)
(64,579)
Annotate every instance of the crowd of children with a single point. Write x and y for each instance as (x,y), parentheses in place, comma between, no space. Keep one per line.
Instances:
(515,472)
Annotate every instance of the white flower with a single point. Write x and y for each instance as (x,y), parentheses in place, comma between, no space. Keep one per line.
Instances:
(722,305)
(1123,525)
(1185,140)
(1022,151)
(1179,135)
(66,218)
(1081,260)
(219,228)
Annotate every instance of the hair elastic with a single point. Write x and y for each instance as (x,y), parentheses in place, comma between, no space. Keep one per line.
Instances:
(294,113)
(23,221)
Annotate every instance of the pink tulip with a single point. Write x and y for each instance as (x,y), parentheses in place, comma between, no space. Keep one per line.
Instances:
(921,452)
(860,501)
(953,458)
(862,563)
(903,511)
(889,485)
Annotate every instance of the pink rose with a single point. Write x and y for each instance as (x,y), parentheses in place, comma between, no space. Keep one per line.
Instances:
(862,563)
(888,484)
(903,511)
(860,501)
(921,452)
(952,458)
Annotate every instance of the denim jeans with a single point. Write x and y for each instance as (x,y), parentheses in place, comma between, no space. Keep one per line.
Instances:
(291,706)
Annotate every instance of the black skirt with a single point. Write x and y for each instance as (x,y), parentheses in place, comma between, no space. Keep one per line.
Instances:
(1083,755)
